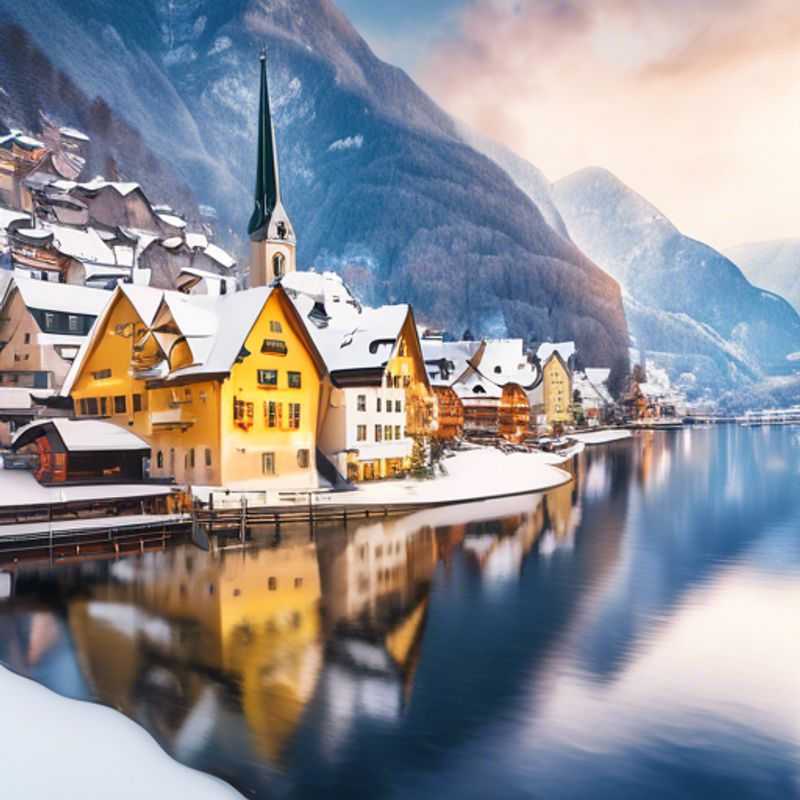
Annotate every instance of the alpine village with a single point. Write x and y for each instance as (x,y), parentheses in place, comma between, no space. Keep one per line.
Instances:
(142,386)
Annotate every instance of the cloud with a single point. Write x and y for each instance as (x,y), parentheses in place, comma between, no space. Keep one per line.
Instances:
(694,104)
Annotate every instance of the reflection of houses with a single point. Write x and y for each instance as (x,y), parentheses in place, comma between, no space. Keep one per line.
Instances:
(177,629)
(375,584)
(225,389)
(381,396)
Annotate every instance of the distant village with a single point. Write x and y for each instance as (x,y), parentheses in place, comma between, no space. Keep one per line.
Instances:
(129,348)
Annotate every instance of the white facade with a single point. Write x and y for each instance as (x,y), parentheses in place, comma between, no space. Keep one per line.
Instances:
(366,420)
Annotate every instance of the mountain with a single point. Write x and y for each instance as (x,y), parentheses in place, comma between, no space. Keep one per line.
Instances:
(379,181)
(682,297)
(772,265)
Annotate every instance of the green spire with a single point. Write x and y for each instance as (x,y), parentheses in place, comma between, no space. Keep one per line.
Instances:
(266,195)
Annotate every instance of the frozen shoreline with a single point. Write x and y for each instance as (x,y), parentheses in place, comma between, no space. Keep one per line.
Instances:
(600,437)
(57,747)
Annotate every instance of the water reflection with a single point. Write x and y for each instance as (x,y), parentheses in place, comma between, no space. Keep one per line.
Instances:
(526,647)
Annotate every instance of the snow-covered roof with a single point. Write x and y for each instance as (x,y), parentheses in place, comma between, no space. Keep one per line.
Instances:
(457,354)
(13,397)
(597,375)
(74,133)
(80,244)
(123,188)
(504,361)
(86,434)
(197,241)
(565,349)
(172,220)
(18,137)
(34,233)
(65,297)
(327,288)
(365,342)
(9,215)
(216,253)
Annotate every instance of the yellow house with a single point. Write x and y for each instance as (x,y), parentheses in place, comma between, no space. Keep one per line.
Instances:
(557,390)
(227,390)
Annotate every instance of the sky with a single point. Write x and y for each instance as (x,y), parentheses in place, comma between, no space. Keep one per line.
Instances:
(695,104)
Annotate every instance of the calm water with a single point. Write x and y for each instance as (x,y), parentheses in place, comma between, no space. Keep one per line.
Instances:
(634,634)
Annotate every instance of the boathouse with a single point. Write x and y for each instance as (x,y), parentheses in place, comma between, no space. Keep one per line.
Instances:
(77,451)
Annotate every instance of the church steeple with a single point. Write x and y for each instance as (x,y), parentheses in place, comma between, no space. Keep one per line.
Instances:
(273,244)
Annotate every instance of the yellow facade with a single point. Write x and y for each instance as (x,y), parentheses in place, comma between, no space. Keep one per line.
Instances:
(105,386)
(241,430)
(557,389)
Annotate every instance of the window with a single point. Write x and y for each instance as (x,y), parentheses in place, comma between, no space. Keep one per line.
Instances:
(101,374)
(137,403)
(276,346)
(406,381)
(272,584)
(103,406)
(160,459)
(278,263)
(88,406)
(191,458)
(361,402)
(268,463)
(387,433)
(120,404)
(27,338)
(268,377)
(361,433)
(73,323)
(172,461)
(298,583)
(294,415)
(274,414)
(378,433)
(397,434)
(295,380)
(275,326)
(49,320)
(398,405)
(242,413)
(208,456)
(378,405)
(302,459)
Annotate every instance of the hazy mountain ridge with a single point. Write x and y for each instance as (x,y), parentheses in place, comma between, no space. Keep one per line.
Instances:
(667,272)
(374,174)
(773,265)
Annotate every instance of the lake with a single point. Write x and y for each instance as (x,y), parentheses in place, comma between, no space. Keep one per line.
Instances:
(632,634)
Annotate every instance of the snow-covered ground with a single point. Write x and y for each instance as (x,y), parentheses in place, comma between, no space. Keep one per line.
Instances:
(600,437)
(20,488)
(478,473)
(55,747)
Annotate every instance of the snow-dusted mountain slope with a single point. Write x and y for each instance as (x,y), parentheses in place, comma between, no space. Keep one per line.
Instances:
(773,265)
(665,271)
(378,181)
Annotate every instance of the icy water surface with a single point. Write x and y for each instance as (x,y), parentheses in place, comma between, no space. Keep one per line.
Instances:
(635,634)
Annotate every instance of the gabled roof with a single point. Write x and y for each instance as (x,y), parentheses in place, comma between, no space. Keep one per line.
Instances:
(565,349)
(86,435)
(64,297)
(456,356)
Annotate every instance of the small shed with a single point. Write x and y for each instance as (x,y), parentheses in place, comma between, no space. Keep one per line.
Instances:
(74,451)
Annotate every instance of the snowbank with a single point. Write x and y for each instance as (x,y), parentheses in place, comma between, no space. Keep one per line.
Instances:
(55,747)
(600,437)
